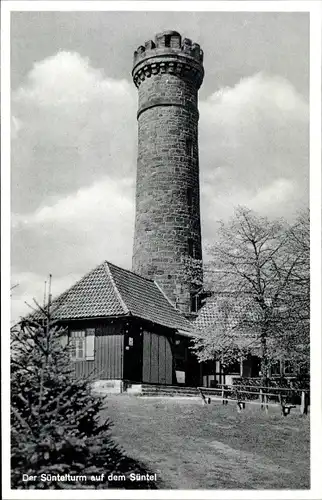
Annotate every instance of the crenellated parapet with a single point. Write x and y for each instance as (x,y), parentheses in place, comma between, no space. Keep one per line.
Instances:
(168,53)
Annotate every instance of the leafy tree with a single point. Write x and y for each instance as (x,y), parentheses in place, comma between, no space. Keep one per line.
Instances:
(297,296)
(225,336)
(56,425)
(260,270)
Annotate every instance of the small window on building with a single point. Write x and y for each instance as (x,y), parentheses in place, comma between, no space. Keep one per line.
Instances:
(233,368)
(276,368)
(77,345)
(82,344)
(288,368)
(189,196)
(189,146)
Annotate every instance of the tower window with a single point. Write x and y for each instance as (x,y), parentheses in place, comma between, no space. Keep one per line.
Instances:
(193,303)
(189,196)
(189,146)
(191,248)
(167,41)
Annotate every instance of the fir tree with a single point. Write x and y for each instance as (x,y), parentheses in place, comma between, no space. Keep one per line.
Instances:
(56,426)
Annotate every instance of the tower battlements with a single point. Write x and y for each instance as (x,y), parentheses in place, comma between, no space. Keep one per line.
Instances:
(168,53)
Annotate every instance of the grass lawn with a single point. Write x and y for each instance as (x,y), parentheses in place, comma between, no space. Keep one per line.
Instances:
(191,446)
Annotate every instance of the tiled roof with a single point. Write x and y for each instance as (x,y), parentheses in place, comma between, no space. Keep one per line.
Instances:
(109,290)
(218,309)
(144,299)
(229,320)
(221,316)
(92,296)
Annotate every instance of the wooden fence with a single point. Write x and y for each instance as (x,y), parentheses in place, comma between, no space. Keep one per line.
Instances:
(286,398)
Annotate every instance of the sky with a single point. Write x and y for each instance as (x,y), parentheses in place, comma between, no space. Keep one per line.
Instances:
(74,131)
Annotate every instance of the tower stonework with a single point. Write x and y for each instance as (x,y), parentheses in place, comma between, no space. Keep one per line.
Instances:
(167,241)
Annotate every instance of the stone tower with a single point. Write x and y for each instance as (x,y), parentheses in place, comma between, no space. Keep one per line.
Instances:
(167,241)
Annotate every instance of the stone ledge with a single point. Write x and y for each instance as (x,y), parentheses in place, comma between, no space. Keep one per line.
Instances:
(102,387)
(168,64)
(160,102)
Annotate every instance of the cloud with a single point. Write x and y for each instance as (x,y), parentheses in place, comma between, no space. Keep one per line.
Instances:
(254,149)
(68,79)
(16,125)
(279,192)
(260,92)
(78,231)
(101,201)
(79,126)
(71,237)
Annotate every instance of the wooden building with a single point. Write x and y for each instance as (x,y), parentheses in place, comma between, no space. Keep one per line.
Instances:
(122,328)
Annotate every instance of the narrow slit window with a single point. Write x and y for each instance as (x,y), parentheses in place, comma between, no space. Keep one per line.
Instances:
(167,41)
(189,146)
(191,247)
(189,196)
(193,303)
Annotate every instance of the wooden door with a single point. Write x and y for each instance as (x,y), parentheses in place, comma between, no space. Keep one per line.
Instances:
(133,356)
(157,359)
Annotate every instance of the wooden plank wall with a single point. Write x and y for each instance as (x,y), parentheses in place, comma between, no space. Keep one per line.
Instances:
(157,359)
(154,356)
(162,360)
(168,362)
(146,368)
(108,357)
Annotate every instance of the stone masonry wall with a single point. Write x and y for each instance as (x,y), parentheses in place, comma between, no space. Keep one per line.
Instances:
(167,225)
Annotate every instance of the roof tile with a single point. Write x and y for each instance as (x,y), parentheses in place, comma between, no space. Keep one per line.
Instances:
(109,290)
(223,317)
(145,300)
(94,295)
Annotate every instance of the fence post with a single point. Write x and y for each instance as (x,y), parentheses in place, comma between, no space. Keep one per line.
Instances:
(292,396)
(224,396)
(240,403)
(304,404)
(261,397)
(265,403)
